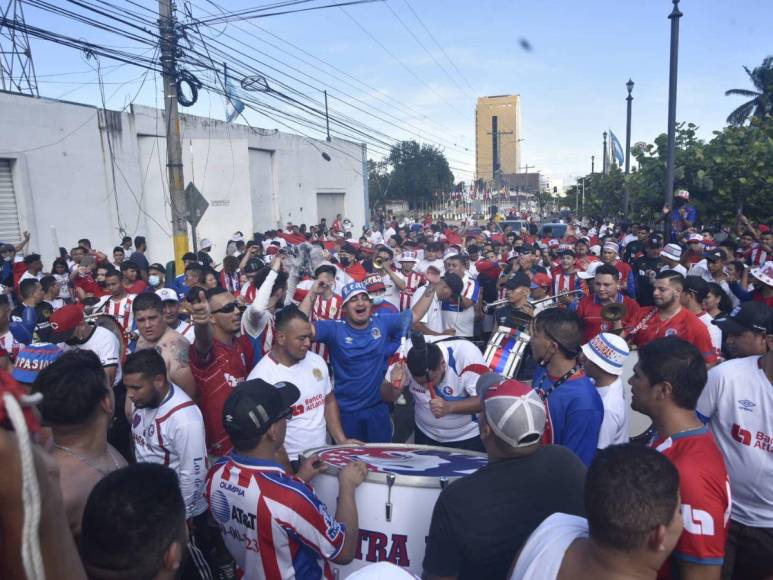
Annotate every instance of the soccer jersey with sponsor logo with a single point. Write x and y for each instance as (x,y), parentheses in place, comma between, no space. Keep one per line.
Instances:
(216,374)
(683,324)
(464,366)
(738,402)
(359,356)
(704,491)
(272,523)
(172,434)
(455,316)
(307,428)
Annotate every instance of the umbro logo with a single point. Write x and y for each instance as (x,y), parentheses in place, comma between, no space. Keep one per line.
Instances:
(348,340)
(746,405)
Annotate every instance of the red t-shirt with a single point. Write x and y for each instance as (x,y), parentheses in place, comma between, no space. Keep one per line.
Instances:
(683,324)
(137,287)
(216,375)
(589,310)
(89,286)
(704,491)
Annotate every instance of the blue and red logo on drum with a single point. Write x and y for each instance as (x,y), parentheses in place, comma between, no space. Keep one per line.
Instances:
(407,460)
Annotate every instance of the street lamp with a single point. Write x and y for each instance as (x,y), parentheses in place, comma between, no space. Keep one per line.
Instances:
(605,160)
(674,59)
(629,98)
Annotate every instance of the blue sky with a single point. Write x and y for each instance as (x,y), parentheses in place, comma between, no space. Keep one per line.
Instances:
(572,82)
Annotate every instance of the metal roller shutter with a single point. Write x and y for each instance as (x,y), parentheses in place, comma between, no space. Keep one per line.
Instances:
(10,231)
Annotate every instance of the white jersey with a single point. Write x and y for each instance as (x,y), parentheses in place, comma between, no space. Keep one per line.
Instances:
(392,294)
(543,553)
(738,401)
(172,434)
(185,327)
(462,320)
(105,345)
(464,366)
(614,426)
(434,316)
(715,333)
(307,428)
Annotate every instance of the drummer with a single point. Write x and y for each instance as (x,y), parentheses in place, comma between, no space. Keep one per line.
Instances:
(271,520)
(441,377)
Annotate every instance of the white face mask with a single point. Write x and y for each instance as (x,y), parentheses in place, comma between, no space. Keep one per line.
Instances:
(377,300)
(154,280)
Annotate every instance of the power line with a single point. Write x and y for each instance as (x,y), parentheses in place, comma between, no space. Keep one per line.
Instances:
(259,13)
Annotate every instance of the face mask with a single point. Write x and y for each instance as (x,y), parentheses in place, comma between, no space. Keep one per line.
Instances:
(154,280)
(344,261)
(378,300)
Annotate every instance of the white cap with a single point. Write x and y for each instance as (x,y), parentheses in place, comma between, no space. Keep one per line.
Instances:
(672,252)
(590,272)
(764,273)
(237,237)
(167,295)
(607,351)
(595,250)
(205,243)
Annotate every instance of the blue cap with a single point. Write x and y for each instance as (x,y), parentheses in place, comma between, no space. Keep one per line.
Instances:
(32,359)
(351,290)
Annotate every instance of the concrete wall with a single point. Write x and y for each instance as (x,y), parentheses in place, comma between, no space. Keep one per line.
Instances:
(69,186)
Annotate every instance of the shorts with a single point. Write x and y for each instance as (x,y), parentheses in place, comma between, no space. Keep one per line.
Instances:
(471,444)
(371,425)
(748,553)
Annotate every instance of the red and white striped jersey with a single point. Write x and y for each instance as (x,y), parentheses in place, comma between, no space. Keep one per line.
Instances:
(412,281)
(325,309)
(231,282)
(563,282)
(121,310)
(272,523)
(758,256)
(172,434)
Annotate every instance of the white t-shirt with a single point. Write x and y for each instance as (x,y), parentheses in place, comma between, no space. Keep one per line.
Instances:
(738,400)
(715,333)
(464,366)
(463,322)
(172,434)
(614,426)
(543,553)
(307,429)
(433,318)
(105,345)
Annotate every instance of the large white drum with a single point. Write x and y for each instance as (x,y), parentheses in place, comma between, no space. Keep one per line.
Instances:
(395,502)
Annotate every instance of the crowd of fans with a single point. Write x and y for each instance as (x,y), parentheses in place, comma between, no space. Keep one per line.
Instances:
(167,448)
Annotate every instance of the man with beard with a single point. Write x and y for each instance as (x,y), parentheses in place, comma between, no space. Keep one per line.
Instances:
(669,318)
(156,334)
(359,349)
(168,429)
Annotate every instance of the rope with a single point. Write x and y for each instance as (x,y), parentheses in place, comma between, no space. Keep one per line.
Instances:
(31,555)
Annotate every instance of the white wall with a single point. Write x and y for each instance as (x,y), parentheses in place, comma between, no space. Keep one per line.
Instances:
(63,176)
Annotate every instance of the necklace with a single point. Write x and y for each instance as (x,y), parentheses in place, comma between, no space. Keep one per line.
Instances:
(87,461)
(566,376)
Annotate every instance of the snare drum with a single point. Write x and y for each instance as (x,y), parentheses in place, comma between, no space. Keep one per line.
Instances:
(505,351)
(395,502)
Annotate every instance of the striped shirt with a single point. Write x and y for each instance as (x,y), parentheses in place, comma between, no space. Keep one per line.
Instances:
(272,523)
(325,309)
(121,310)
(412,282)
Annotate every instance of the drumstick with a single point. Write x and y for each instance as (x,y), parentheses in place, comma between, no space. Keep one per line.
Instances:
(431,388)
(400,359)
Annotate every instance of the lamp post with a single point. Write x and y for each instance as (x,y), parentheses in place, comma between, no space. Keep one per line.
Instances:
(629,98)
(605,162)
(592,164)
(674,18)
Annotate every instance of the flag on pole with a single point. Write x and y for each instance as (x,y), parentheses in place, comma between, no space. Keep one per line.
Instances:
(617,150)
(234,105)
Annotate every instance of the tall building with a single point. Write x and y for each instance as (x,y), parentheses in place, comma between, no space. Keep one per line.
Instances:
(497,137)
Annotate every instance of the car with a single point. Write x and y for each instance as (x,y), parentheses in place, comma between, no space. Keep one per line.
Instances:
(515,225)
(552,230)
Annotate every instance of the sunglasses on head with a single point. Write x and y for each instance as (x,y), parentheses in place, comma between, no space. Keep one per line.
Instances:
(228,308)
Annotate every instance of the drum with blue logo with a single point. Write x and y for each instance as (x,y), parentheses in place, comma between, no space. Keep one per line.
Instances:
(505,351)
(395,502)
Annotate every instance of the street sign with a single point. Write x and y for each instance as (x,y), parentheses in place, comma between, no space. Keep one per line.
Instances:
(195,204)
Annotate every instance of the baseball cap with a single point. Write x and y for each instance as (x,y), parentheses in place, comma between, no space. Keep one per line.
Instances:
(696,285)
(514,411)
(205,243)
(64,321)
(32,359)
(157,267)
(254,405)
(553,243)
(590,272)
(607,351)
(540,280)
(454,283)
(751,315)
(654,241)
(511,255)
(374,283)
(672,252)
(715,255)
(167,295)
(408,256)
(353,289)
(682,193)
(764,273)
(695,238)
(519,280)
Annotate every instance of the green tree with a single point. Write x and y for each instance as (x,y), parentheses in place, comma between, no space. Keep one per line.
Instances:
(761,98)
(412,172)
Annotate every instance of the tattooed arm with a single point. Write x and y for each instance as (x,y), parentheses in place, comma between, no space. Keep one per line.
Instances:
(178,366)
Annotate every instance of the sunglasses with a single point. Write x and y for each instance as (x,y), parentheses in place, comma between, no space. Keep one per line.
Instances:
(228,308)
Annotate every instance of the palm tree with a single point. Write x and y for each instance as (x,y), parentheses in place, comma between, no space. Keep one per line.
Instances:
(761,102)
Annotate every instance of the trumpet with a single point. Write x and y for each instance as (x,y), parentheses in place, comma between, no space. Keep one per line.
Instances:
(555,298)
(493,305)
(378,264)
(614,311)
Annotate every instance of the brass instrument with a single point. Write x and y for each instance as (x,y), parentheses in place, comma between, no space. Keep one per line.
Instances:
(378,264)
(614,313)
(555,298)
(491,306)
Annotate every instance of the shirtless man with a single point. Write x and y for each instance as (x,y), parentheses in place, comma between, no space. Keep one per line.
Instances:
(78,405)
(155,333)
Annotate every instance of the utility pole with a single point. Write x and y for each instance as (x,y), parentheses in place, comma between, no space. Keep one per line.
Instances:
(672,78)
(629,100)
(327,119)
(174,152)
(592,164)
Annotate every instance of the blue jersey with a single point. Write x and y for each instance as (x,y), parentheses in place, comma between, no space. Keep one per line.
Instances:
(359,356)
(576,412)
(180,287)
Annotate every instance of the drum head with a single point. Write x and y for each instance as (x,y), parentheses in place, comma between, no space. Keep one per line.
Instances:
(413,465)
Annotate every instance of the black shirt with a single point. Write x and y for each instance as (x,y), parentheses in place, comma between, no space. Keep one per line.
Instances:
(644,287)
(43,312)
(481,521)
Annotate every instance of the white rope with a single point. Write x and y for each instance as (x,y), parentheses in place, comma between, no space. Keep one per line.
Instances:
(31,555)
